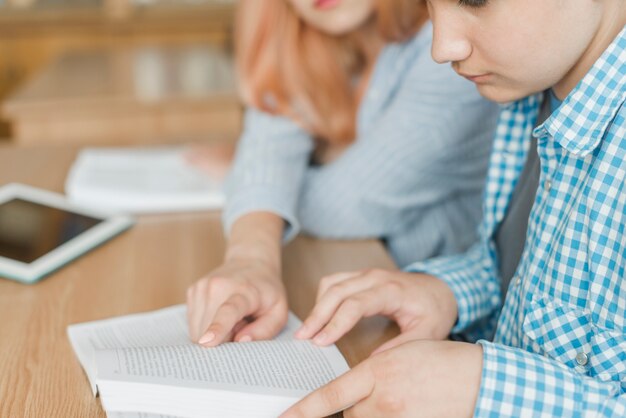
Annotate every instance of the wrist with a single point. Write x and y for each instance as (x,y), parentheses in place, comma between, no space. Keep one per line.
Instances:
(447,303)
(254,254)
(444,303)
(256,237)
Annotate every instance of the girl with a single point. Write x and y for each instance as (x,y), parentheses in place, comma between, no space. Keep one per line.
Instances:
(352,131)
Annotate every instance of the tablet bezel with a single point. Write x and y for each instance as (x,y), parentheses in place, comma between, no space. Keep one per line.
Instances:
(110,225)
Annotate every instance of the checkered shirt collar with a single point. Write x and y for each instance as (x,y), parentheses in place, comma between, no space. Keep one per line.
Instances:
(580,122)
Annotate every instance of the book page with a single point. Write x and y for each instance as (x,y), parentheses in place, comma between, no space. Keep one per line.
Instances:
(164,327)
(284,368)
(142,179)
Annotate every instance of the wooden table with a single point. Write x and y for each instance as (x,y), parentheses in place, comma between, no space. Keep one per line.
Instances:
(146,268)
(132,95)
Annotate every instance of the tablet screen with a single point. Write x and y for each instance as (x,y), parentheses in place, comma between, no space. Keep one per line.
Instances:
(30,230)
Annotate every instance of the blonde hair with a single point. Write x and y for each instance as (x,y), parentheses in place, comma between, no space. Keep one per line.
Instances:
(287,67)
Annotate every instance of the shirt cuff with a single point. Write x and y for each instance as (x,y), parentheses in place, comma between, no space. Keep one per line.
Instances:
(261,199)
(517,383)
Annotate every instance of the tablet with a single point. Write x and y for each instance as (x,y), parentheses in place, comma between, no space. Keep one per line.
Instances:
(41,231)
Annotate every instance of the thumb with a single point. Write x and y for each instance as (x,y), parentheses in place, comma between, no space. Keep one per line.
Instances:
(394,342)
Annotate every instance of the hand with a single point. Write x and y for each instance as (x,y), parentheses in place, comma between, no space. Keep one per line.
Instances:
(417,379)
(242,300)
(423,306)
(213,159)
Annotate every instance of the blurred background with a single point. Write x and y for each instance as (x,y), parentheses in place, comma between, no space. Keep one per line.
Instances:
(116,72)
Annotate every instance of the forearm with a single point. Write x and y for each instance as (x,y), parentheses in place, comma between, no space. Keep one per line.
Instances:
(270,164)
(258,236)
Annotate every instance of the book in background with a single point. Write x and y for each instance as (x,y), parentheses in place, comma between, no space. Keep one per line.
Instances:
(141,180)
(144,365)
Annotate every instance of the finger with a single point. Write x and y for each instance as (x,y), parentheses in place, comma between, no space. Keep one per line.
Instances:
(328,281)
(190,313)
(394,342)
(364,304)
(239,326)
(341,393)
(265,326)
(196,307)
(363,409)
(227,315)
(325,308)
(366,408)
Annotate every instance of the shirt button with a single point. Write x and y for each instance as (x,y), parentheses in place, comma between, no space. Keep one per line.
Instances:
(582,359)
(548,185)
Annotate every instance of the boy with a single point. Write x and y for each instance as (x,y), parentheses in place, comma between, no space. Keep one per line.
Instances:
(560,343)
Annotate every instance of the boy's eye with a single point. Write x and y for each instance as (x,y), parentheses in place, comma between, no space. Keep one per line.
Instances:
(473,3)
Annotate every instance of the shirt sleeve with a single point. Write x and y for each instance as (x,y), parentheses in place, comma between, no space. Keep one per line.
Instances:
(421,157)
(518,383)
(473,279)
(270,163)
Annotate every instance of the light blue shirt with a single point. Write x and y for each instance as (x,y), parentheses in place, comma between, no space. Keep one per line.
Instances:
(412,178)
(560,344)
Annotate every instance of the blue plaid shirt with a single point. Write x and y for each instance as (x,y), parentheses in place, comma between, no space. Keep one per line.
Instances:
(560,341)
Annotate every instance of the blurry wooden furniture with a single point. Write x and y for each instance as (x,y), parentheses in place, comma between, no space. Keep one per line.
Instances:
(146,268)
(45,11)
(34,32)
(134,95)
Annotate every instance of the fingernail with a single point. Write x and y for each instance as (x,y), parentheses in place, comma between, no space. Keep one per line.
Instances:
(207,338)
(245,339)
(320,338)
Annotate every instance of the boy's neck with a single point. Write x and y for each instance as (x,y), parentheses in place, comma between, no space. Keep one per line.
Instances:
(615,21)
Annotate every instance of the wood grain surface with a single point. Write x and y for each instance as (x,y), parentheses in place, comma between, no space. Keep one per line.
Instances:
(148,267)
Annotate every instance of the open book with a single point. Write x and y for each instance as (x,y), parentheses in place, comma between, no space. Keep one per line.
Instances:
(145,364)
(140,180)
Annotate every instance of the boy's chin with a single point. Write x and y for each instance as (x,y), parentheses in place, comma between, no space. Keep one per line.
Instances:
(501,94)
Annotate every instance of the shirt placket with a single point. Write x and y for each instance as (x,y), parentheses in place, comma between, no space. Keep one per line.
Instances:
(541,228)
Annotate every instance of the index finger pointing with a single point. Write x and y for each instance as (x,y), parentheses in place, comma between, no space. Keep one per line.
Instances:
(224,319)
(343,392)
